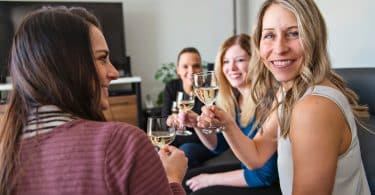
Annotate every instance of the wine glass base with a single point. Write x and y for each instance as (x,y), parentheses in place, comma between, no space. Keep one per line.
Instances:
(184,132)
(220,129)
(207,131)
(213,129)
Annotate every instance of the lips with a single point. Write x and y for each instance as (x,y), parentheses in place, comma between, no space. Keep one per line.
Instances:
(235,76)
(282,63)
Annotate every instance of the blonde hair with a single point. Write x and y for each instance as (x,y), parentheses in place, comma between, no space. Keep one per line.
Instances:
(227,96)
(316,65)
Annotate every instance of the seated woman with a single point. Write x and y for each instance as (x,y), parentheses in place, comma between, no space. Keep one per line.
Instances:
(293,83)
(188,63)
(54,138)
(231,69)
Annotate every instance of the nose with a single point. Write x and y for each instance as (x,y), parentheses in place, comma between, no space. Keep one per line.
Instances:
(281,45)
(190,70)
(230,65)
(233,65)
(112,73)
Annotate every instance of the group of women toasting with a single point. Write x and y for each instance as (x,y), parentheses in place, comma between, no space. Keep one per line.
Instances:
(292,103)
(279,97)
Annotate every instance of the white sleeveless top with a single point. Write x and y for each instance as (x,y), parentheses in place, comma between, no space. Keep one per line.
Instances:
(350,174)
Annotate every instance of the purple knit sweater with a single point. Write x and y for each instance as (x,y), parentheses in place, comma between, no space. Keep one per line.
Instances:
(86,157)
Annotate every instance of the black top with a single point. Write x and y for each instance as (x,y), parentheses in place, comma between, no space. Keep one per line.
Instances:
(170,95)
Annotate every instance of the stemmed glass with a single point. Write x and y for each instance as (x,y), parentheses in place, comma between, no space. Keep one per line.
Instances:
(185,102)
(206,89)
(158,131)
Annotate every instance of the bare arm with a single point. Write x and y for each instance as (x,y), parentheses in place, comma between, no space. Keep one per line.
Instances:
(230,178)
(317,138)
(190,120)
(253,153)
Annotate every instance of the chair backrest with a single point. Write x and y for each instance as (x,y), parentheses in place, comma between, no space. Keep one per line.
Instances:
(362,81)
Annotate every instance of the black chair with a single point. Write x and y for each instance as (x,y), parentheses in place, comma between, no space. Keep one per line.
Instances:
(362,81)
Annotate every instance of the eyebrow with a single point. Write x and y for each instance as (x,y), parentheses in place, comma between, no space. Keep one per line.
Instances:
(291,27)
(241,56)
(102,51)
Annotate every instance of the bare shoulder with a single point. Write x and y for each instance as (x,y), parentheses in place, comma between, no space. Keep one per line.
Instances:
(317,115)
(316,106)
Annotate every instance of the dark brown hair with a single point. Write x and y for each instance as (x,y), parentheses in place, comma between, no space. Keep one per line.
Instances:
(51,64)
(188,50)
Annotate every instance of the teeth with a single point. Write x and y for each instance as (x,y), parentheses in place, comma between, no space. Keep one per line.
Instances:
(235,76)
(282,62)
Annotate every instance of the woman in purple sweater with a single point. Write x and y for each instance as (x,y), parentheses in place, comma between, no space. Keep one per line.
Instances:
(54,138)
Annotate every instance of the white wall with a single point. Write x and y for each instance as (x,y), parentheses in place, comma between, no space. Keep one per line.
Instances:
(351,28)
(157,30)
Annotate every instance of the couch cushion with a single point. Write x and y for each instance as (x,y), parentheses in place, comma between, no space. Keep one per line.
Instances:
(367,144)
(362,81)
(227,157)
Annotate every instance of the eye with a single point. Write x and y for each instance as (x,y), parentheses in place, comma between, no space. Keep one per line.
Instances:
(103,58)
(293,34)
(196,66)
(268,36)
(241,60)
(226,62)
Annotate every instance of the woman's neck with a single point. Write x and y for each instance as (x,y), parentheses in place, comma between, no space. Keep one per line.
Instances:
(243,92)
(187,88)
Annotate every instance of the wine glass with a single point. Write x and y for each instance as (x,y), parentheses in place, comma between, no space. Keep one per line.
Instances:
(206,89)
(185,102)
(158,131)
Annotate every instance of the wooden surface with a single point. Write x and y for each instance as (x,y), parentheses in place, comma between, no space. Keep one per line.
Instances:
(122,108)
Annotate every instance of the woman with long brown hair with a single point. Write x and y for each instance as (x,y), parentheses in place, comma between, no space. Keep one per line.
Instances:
(54,138)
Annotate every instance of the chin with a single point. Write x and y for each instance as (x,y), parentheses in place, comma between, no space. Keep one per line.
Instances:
(104,105)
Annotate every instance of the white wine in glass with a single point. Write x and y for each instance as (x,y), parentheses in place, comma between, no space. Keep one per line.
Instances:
(159,133)
(206,89)
(185,102)
(207,95)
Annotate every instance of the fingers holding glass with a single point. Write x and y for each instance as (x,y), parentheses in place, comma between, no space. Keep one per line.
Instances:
(159,132)
(206,89)
(185,102)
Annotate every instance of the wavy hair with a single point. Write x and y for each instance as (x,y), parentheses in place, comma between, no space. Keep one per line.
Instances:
(227,98)
(51,63)
(316,65)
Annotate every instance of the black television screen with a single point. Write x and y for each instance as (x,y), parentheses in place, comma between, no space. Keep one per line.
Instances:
(110,15)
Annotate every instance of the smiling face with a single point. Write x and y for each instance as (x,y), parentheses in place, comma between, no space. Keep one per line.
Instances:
(280,46)
(188,64)
(235,66)
(106,71)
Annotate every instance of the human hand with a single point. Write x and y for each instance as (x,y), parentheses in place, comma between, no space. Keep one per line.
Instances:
(189,119)
(173,121)
(214,116)
(174,162)
(200,181)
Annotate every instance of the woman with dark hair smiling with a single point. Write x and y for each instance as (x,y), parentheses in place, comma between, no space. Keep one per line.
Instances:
(54,138)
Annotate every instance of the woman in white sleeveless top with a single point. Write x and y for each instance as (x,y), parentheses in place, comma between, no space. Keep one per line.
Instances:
(309,116)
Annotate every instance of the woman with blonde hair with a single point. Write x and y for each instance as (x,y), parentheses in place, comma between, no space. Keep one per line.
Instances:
(293,84)
(231,68)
